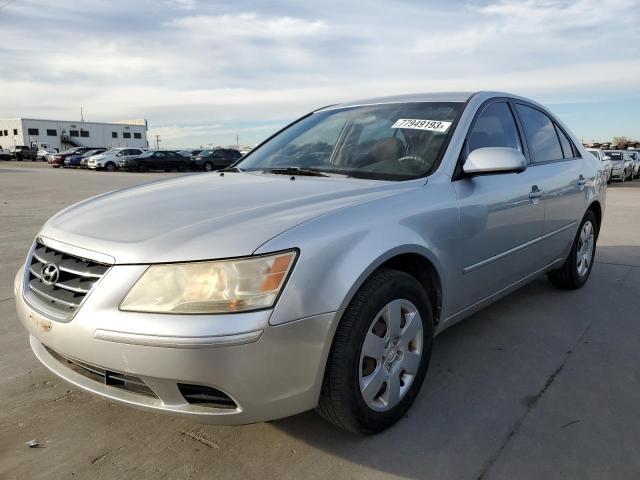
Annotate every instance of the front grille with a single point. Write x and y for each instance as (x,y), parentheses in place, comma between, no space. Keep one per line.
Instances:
(76,278)
(123,381)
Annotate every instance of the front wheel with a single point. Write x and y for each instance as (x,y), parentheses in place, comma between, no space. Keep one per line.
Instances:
(110,167)
(380,354)
(576,269)
(208,167)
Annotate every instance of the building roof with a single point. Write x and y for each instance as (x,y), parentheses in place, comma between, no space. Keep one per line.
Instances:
(127,123)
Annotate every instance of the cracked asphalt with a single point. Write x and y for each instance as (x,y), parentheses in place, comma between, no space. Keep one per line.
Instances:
(542,384)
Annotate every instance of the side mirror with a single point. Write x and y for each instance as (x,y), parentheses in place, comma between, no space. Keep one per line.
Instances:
(493,160)
(118,154)
(607,157)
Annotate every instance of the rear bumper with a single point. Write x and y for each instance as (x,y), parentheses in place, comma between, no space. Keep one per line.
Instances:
(268,371)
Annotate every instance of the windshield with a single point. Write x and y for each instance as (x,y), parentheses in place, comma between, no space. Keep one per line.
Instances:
(111,152)
(614,155)
(147,154)
(397,141)
(91,152)
(71,150)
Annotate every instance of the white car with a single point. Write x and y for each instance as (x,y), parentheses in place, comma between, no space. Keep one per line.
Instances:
(110,160)
(622,164)
(635,155)
(43,153)
(606,161)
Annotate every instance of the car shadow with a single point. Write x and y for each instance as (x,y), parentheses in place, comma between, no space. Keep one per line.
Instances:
(486,374)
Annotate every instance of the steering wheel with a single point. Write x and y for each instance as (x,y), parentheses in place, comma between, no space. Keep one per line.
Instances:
(413,160)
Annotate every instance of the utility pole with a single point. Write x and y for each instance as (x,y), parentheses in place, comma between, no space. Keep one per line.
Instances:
(157,142)
(237,141)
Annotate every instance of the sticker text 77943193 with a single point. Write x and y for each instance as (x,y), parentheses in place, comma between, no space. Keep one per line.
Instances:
(417,124)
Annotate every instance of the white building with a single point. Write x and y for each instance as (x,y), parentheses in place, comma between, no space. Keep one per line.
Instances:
(60,134)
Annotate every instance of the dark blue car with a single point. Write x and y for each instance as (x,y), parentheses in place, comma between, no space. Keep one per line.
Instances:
(73,161)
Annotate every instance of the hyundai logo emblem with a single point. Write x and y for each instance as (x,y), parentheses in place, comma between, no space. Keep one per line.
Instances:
(50,274)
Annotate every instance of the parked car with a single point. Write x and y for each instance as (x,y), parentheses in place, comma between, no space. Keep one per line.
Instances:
(57,160)
(73,161)
(635,155)
(317,271)
(5,153)
(209,160)
(622,164)
(606,161)
(166,160)
(43,153)
(110,160)
(189,153)
(22,152)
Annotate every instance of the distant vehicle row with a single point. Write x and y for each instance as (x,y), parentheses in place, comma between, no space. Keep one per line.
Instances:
(619,164)
(136,159)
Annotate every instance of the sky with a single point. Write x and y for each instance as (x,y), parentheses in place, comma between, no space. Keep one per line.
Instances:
(202,72)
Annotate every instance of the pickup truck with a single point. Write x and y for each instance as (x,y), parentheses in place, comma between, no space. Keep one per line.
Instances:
(22,152)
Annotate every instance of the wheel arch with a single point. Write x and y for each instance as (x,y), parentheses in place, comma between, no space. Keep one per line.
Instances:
(415,260)
(596,208)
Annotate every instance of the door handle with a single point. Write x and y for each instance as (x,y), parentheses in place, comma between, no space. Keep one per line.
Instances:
(582,181)
(535,192)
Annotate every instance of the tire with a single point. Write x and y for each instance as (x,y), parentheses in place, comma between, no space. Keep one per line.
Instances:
(143,167)
(208,167)
(569,276)
(110,167)
(342,398)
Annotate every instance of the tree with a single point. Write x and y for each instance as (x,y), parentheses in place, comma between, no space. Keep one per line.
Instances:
(621,142)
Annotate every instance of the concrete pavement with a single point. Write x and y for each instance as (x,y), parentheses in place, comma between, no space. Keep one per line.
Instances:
(543,384)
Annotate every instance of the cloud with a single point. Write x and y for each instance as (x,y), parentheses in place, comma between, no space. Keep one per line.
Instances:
(181,4)
(191,66)
(249,25)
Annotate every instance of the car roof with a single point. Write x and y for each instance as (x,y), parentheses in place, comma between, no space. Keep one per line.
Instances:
(460,97)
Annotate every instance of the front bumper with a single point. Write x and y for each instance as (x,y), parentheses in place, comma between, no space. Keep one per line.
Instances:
(617,172)
(268,371)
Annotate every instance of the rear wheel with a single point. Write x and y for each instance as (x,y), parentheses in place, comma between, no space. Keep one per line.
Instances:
(380,354)
(110,167)
(577,267)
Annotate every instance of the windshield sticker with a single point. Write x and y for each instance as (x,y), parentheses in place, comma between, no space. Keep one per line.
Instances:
(417,124)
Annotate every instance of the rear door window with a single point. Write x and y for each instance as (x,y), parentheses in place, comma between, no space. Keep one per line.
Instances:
(541,135)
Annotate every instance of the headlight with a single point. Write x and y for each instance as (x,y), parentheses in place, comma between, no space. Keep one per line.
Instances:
(220,286)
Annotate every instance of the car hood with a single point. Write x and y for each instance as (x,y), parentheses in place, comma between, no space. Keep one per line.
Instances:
(206,216)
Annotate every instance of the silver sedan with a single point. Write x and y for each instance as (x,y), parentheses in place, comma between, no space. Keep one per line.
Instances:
(316,272)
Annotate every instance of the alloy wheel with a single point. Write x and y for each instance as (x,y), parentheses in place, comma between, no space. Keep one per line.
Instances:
(390,355)
(584,252)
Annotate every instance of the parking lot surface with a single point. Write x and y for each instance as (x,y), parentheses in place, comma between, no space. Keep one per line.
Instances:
(542,384)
